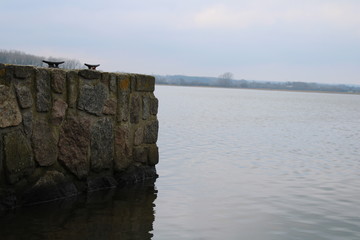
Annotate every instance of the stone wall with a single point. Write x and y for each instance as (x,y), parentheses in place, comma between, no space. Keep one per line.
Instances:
(65,132)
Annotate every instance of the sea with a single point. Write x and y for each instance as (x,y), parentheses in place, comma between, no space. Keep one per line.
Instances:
(234,164)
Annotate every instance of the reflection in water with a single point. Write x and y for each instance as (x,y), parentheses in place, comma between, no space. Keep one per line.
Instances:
(126,213)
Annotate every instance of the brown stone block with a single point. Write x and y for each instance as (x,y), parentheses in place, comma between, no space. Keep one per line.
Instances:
(58,80)
(74,145)
(109,107)
(58,111)
(124,82)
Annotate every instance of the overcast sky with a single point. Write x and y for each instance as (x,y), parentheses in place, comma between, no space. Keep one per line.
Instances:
(275,40)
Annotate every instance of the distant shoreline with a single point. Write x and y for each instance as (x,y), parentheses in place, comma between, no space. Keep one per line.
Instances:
(265,89)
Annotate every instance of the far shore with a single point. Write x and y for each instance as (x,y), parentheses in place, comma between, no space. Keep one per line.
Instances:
(265,89)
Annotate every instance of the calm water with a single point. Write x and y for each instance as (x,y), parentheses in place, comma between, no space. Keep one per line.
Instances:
(234,164)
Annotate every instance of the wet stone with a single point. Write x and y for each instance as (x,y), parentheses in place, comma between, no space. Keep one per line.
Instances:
(74,144)
(53,185)
(18,156)
(92,98)
(58,81)
(102,145)
(10,113)
(43,94)
(44,142)
(24,96)
(100,183)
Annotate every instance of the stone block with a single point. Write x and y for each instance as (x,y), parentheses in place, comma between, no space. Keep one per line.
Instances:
(27,122)
(154,105)
(138,136)
(153,156)
(44,142)
(92,98)
(124,83)
(18,156)
(9,109)
(90,74)
(140,154)
(100,183)
(109,107)
(102,145)
(58,111)
(2,74)
(145,107)
(135,108)
(123,148)
(43,94)
(105,78)
(24,96)
(151,130)
(58,80)
(112,83)
(145,83)
(123,106)
(74,145)
(51,186)
(72,83)
(22,72)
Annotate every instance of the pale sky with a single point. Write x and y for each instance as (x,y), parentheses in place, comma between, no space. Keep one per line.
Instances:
(274,40)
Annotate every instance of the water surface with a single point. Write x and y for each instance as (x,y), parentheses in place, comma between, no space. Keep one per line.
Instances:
(234,164)
(249,164)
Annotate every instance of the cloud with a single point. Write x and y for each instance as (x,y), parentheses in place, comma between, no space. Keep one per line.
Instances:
(263,14)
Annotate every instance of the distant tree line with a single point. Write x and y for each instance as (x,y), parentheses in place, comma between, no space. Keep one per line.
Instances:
(21,58)
(226,80)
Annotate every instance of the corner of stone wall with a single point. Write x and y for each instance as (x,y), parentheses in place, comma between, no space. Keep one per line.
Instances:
(63,132)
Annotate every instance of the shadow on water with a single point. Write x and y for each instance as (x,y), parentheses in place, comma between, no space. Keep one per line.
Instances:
(126,213)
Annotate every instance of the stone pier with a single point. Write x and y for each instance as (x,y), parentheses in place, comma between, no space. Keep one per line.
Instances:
(67,132)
